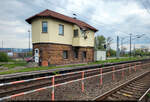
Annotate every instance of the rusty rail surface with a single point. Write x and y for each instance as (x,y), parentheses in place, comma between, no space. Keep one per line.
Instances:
(132,90)
(22,87)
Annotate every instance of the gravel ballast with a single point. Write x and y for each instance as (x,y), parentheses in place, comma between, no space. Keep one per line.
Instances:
(72,91)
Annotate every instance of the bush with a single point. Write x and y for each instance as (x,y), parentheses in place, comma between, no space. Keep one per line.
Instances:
(3,57)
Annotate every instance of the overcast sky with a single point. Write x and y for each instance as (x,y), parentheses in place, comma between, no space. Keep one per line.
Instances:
(110,17)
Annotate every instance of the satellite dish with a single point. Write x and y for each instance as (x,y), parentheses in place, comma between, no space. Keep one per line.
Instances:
(85,36)
(74,16)
(84,29)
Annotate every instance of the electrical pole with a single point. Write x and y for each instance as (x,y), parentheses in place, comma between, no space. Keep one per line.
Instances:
(95,43)
(134,49)
(121,46)
(118,47)
(2,43)
(130,43)
(29,40)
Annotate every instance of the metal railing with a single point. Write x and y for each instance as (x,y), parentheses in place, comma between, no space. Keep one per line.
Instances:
(83,86)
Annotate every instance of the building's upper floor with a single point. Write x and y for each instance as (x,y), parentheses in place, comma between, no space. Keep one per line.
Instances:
(51,27)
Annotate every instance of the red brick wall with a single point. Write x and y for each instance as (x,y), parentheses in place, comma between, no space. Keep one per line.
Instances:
(53,53)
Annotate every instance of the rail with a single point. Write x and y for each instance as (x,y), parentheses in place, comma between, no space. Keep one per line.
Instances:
(80,79)
(106,94)
(142,97)
(40,78)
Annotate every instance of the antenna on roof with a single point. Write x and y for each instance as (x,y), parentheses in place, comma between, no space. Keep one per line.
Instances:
(74,16)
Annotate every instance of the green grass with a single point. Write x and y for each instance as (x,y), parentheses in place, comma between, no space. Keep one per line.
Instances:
(35,69)
(14,64)
(148,94)
(116,60)
(11,66)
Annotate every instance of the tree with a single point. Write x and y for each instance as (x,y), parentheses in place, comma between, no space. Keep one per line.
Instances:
(100,41)
(3,57)
(111,53)
(144,49)
(108,48)
(109,42)
(123,50)
(138,52)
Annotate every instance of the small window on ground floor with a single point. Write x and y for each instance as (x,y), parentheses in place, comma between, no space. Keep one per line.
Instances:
(84,54)
(75,53)
(65,54)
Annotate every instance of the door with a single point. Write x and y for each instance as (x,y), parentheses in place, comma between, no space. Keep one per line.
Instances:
(36,55)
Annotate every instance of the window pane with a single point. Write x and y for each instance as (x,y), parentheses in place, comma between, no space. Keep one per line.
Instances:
(65,54)
(75,32)
(44,26)
(76,53)
(61,29)
(84,54)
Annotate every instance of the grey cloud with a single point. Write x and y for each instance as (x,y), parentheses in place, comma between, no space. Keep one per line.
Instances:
(144,3)
(19,10)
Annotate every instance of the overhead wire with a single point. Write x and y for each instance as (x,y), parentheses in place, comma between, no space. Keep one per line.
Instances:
(87,18)
(83,17)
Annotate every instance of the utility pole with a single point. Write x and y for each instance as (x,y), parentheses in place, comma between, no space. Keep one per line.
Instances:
(134,49)
(130,43)
(29,40)
(118,47)
(121,46)
(96,43)
(2,43)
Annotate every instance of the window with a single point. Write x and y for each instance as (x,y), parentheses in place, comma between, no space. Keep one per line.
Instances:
(75,32)
(76,53)
(44,27)
(61,29)
(65,54)
(84,54)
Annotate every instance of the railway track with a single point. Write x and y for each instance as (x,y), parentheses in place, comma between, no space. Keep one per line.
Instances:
(24,76)
(131,91)
(21,86)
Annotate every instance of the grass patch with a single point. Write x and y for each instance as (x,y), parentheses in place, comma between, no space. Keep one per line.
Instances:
(66,66)
(37,69)
(14,65)
(116,60)
(148,94)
